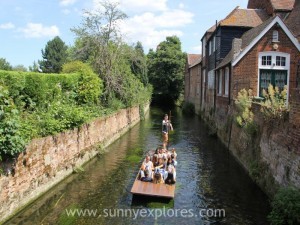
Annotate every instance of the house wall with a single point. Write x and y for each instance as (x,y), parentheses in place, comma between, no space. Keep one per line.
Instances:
(274,148)
(194,87)
(245,72)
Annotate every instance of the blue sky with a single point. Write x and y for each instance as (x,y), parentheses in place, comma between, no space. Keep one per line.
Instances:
(27,25)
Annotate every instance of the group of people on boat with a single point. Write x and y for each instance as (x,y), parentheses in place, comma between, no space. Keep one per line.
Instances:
(160,167)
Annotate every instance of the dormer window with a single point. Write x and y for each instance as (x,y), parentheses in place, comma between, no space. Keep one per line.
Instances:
(275,37)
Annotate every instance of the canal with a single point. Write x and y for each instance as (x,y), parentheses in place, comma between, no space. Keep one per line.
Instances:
(209,180)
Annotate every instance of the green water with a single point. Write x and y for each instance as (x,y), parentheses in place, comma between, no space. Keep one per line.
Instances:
(208,177)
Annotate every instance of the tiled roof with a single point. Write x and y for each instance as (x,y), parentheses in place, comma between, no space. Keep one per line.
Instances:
(197,61)
(254,32)
(245,18)
(272,5)
(283,4)
(192,58)
(293,21)
(246,40)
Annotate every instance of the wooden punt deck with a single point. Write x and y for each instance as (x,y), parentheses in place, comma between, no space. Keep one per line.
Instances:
(151,189)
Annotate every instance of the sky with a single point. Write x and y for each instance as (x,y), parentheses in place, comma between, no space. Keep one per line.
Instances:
(27,25)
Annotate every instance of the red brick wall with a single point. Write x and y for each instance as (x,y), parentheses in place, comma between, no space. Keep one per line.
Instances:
(193,86)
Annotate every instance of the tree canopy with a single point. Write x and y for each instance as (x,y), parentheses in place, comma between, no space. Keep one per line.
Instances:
(4,65)
(166,69)
(54,56)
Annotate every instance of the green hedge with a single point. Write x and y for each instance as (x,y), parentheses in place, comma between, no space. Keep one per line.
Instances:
(41,89)
(37,104)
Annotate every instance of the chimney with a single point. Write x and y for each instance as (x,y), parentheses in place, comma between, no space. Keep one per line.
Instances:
(236,47)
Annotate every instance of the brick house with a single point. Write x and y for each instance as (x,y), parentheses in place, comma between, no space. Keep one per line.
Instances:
(193,80)
(216,44)
(249,49)
(268,53)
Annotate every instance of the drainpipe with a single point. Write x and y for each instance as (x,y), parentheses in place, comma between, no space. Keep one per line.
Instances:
(215,53)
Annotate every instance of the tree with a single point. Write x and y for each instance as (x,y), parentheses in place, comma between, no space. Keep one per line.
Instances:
(100,38)
(20,67)
(54,56)
(166,69)
(4,65)
(34,67)
(138,62)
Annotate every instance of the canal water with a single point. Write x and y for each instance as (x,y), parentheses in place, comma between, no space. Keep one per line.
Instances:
(210,182)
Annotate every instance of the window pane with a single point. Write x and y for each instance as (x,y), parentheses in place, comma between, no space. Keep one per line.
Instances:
(220,82)
(269,60)
(282,61)
(264,60)
(226,81)
(278,61)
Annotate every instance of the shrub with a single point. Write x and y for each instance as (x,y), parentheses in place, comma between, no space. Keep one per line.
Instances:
(274,105)
(11,140)
(90,86)
(286,207)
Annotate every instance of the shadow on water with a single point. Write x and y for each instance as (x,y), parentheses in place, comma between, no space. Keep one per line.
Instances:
(208,177)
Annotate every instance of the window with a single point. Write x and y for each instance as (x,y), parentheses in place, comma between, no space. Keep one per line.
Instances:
(266,60)
(214,43)
(275,37)
(211,79)
(203,47)
(226,81)
(278,78)
(280,61)
(220,82)
(209,48)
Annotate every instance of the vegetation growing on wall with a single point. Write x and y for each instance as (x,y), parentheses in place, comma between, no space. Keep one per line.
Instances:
(274,106)
(286,207)
(245,116)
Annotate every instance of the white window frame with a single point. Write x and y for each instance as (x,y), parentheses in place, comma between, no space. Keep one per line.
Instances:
(220,82)
(214,41)
(226,79)
(275,36)
(274,67)
(203,47)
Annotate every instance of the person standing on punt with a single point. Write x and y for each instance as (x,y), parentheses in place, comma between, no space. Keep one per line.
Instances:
(166,127)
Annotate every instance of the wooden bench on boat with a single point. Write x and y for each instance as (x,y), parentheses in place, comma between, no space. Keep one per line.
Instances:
(151,189)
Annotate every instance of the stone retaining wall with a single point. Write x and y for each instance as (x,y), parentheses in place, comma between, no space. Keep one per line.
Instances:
(49,160)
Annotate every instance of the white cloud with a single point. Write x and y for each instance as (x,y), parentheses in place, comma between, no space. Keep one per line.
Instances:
(66,11)
(7,26)
(181,5)
(37,30)
(67,2)
(151,29)
(150,21)
(197,49)
(144,5)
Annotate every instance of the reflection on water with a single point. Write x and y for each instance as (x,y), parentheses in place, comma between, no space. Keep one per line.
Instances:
(208,177)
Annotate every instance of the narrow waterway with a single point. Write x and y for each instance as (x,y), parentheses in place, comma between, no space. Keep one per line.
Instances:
(208,177)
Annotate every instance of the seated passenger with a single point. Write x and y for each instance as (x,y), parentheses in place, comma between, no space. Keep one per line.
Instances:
(155,160)
(174,153)
(171,177)
(173,161)
(161,168)
(146,178)
(158,178)
(146,165)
